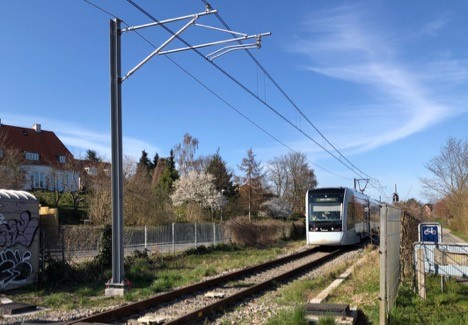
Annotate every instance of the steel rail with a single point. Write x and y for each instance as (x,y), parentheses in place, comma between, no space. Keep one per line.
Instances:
(204,312)
(137,307)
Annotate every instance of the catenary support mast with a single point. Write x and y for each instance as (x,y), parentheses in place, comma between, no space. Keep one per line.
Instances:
(116,286)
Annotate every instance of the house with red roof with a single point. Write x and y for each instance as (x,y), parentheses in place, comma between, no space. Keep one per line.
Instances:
(46,161)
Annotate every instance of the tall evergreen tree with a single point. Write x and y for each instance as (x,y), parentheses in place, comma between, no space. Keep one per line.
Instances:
(222,177)
(91,155)
(144,164)
(172,167)
(155,161)
(144,160)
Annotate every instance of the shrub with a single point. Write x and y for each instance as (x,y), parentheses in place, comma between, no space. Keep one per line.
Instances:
(298,230)
(256,233)
(104,257)
(57,271)
(296,216)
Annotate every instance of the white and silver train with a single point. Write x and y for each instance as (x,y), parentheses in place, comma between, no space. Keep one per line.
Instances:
(338,216)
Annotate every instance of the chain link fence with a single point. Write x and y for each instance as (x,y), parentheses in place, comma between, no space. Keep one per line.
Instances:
(78,243)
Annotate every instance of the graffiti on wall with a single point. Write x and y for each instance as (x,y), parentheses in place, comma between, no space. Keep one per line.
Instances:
(15,266)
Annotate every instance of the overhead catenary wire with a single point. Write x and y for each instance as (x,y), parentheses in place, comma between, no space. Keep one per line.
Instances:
(217,95)
(283,92)
(351,167)
(237,82)
(228,75)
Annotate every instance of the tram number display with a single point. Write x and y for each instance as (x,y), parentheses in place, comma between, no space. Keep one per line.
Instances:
(325,199)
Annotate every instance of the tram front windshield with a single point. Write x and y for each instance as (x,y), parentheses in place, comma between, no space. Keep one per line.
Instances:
(325,208)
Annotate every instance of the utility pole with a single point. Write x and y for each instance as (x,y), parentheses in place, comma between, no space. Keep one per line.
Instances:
(116,286)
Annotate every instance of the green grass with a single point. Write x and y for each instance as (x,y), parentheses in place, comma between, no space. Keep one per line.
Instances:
(460,234)
(82,286)
(289,317)
(301,291)
(361,289)
(448,307)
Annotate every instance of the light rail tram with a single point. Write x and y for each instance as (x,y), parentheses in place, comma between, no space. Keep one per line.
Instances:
(339,216)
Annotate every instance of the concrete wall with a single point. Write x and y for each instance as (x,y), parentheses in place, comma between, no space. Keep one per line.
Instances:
(19,239)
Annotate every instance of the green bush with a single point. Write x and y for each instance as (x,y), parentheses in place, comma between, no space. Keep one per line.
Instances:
(296,216)
(57,272)
(70,216)
(104,257)
(298,230)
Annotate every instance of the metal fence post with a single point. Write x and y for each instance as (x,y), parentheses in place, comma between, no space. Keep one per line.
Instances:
(421,274)
(214,233)
(195,234)
(146,237)
(173,238)
(63,243)
(383,266)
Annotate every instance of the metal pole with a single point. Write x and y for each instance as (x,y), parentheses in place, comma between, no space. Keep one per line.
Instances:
(146,237)
(117,281)
(195,234)
(173,238)
(214,233)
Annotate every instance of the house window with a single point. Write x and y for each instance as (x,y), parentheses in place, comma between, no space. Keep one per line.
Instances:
(61,159)
(91,171)
(31,156)
(38,180)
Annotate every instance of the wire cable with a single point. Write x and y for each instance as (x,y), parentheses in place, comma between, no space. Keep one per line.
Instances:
(143,11)
(276,84)
(284,93)
(217,95)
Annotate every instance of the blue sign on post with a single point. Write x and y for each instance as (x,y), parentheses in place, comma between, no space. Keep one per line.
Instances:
(430,232)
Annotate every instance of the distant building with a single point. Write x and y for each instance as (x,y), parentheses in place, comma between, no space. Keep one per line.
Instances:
(47,163)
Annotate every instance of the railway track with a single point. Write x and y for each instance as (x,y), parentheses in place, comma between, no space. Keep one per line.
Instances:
(196,302)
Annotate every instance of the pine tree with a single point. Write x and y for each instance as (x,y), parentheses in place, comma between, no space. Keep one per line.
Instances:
(91,155)
(144,165)
(172,167)
(222,177)
(154,163)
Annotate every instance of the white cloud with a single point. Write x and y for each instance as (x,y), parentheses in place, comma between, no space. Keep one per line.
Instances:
(434,26)
(347,43)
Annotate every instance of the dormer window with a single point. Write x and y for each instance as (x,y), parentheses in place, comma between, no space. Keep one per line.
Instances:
(91,171)
(31,156)
(61,159)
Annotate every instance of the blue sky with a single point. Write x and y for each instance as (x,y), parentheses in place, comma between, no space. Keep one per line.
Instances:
(384,81)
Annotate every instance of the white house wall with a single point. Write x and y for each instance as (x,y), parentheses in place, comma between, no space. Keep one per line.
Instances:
(51,179)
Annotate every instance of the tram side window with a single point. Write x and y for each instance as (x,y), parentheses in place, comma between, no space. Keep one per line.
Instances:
(351,215)
(359,212)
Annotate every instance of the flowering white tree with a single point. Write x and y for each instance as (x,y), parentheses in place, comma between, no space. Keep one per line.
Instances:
(197,187)
(276,208)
